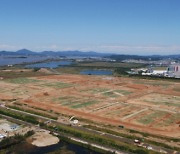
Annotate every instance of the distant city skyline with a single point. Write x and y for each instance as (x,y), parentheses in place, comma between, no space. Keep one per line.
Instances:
(118,26)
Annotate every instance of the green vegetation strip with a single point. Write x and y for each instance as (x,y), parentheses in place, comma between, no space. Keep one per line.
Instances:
(64,98)
(22,81)
(155,136)
(92,137)
(121,71)
(84,104)
(9,141)
(133,136)
(101,140)
(15,75)
(100,64)
(33,112)
(74,103)
(80,134)
(66,139)
(58,85)
(23,117)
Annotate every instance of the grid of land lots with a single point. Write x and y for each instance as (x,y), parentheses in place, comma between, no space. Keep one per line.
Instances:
(137,104)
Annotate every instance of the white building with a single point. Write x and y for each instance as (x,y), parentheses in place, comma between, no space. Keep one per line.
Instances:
(156,73)
(159,72)
(174,68)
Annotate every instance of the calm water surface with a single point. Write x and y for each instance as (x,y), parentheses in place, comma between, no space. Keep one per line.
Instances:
(7,60)
(62,147)
(96,72)
(53,64)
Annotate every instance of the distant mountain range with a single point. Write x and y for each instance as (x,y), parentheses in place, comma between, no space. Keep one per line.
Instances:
(25,52)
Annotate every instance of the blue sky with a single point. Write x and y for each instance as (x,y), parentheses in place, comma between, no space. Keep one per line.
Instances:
(119,26)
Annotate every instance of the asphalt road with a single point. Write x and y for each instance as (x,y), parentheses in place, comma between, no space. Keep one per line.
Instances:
(108,149)
(119,138)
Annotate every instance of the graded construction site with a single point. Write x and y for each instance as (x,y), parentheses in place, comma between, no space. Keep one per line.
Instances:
(144,105)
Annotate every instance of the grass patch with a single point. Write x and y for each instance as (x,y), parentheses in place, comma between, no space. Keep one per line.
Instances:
(58,85)
(131,136)
(62,98)
(66,98)
(169,121)
(147,119)
(102,140)
(110,94)
(69,102)
(66,101)
(98,90)
(77,104)
(167,103)
(108,64)
(153,83)
(164,100)
(22,74)
(81,105)
(22,81)
(33,112)
(19,116)
(124,92)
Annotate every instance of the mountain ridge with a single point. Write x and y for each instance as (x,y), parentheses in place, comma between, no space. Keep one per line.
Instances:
(54,53)
(26,52)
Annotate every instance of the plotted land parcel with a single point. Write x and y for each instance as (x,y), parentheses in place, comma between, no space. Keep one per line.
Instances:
(143,105)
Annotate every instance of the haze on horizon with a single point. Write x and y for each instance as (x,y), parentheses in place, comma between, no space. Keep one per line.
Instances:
(118,26)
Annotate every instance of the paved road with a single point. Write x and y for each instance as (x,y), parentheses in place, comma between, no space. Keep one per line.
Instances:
(108,149)
(119,138)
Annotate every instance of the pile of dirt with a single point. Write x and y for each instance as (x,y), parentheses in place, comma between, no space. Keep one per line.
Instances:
(42,138)
(44,70)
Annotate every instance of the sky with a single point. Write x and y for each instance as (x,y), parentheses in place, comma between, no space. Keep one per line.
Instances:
(142,27)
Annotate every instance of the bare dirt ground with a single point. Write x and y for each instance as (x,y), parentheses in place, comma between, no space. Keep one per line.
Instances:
(144,105)
(42,138)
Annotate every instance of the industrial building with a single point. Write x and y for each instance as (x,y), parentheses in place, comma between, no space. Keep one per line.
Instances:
(174,70)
